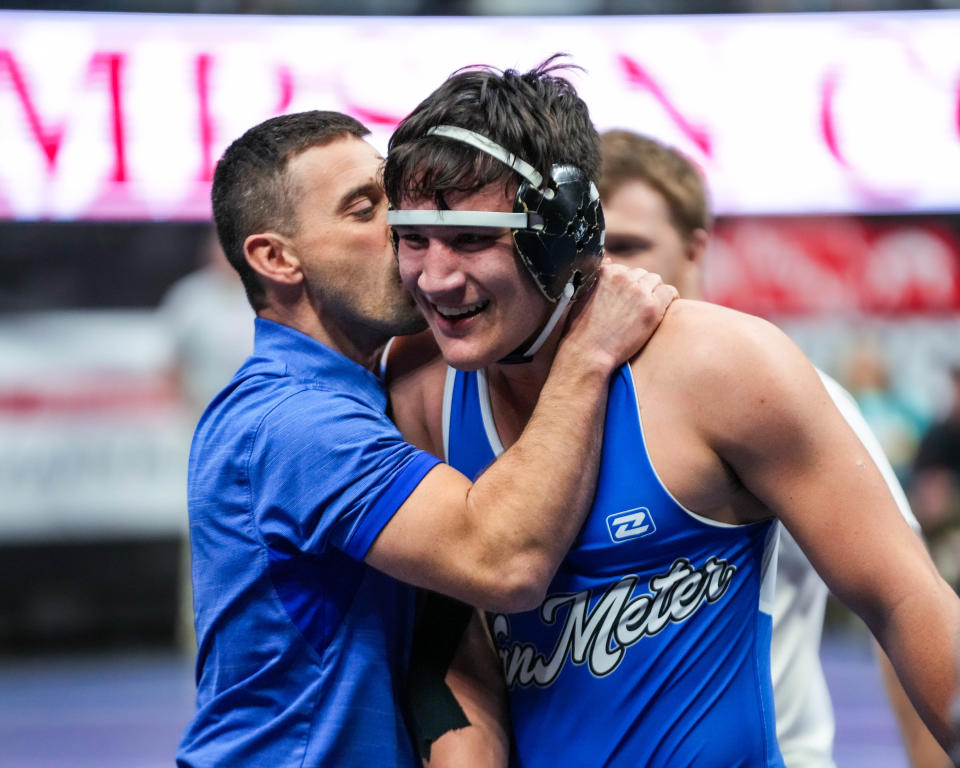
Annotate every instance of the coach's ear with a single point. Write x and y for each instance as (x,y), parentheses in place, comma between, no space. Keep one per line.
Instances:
(273,257)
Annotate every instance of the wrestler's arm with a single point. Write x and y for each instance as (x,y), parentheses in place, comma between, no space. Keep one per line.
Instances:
(416,379)
(496,543)
(922,749)
(476,681)
(788,444)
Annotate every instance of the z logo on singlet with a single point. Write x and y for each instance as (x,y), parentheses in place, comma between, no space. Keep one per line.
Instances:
(631,524)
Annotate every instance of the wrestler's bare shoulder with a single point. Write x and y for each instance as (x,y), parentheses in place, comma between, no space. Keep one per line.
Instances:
(412,357)
(731,375)
(697,334)
(722,363)
(414,376)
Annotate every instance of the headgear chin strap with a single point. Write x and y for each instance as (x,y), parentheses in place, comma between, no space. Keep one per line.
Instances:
(557,227)
(525,357)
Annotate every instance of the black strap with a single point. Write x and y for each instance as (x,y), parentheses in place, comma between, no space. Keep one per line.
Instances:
(434,710)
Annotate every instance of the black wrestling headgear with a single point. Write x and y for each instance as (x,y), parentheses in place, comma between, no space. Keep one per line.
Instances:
(557,226)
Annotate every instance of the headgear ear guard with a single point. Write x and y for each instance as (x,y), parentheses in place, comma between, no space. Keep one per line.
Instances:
(557,226)
(568,246)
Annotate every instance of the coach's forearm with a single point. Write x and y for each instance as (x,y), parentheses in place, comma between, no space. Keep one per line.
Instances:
(533,500)
(497,543)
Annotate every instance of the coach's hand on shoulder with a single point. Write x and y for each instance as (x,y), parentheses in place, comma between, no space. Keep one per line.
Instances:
(619,315)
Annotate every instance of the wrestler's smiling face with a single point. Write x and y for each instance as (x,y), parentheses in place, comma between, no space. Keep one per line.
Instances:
(479,300)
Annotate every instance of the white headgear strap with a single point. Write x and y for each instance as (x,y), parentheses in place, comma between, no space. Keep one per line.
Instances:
(435,218)
(481,142)
(552,322)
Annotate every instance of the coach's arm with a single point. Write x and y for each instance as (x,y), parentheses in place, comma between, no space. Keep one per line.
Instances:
(496,543)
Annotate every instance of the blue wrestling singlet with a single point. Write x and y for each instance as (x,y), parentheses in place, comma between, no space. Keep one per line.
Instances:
(652,647)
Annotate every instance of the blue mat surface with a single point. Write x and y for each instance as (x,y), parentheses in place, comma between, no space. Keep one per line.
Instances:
(128,711)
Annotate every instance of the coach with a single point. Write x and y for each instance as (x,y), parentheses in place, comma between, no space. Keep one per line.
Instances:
(309,514)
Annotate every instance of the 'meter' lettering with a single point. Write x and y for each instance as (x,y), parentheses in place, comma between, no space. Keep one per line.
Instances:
(601,635)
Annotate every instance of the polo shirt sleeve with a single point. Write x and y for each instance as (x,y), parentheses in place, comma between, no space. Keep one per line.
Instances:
(329,470)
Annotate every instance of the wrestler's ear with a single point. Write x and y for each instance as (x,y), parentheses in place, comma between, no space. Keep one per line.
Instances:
(272,256)
(697,246)
(689,276)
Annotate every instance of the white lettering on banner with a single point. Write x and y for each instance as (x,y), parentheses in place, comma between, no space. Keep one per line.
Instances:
(761,261)
(133,110)
(599,636)
(819,265)
(927,280)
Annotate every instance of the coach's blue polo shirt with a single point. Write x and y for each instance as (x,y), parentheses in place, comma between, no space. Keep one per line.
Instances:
(294,470)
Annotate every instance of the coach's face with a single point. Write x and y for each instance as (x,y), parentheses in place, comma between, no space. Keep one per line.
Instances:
(342,242)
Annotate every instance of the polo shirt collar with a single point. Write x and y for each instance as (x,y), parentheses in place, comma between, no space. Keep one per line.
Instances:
(304,357)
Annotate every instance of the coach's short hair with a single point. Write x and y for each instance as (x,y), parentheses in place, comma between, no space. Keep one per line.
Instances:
(628,156)
(536,115)
(251,190)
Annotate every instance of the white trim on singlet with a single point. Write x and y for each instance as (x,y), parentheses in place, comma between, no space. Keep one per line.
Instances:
(768,569)
(486,414)
(691,513)
(493,438)
(851,413)
(384,357)
(447,405)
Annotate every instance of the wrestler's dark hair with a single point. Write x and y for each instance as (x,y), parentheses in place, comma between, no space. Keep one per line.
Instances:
(251,189)
(628,156)
(536,115)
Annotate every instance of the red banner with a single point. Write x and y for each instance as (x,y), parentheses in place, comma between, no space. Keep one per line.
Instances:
(834,265)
